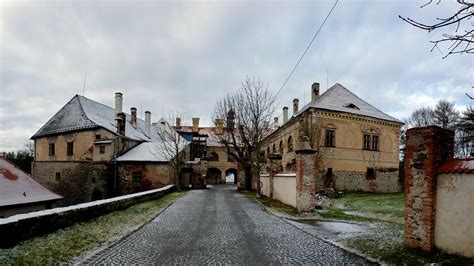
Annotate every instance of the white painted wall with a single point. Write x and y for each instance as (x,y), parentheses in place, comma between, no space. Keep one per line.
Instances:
(284,188)
(454,225)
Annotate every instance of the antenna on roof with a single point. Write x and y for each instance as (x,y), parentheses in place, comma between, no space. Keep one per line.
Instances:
(84,87)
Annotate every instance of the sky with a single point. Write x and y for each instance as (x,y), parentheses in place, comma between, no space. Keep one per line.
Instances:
(183,56)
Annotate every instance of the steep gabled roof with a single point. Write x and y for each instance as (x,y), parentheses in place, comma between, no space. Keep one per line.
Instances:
(18,187)
(338,98)
(83,113)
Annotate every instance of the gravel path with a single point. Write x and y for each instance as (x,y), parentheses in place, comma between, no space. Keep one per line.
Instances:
(219,225)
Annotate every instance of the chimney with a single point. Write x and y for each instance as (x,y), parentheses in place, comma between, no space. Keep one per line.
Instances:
(314,92)
(133,112)
(285,115)
(219,126)
(195,124)
(121,123)
(275,122)
(296,104)
(118,103)
(147,123)
(178,122)
(266,124)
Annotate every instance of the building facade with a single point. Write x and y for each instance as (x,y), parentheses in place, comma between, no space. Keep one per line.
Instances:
(357,144)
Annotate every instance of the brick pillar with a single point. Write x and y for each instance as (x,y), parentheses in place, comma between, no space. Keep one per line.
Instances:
(305,177)
(274,162)
(426,149)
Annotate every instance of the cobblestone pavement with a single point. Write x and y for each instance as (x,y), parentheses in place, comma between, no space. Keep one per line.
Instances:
(220,226)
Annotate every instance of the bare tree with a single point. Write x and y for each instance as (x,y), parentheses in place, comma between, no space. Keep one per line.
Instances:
(423,116)
(462,37)
(245,113)
(466,133)
(445,116)
(170,146)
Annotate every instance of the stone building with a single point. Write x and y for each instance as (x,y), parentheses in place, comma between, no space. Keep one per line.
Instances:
(100,150)
(20,192)
(357,144)
(220,168)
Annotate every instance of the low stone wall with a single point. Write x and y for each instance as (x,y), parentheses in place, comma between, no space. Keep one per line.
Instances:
(454,216)
(386,181)
(20,227)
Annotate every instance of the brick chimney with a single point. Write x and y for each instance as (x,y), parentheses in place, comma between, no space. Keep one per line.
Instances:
(314,92)
(219,126)
(285,115)
(195,124)
(118,102)
(121,119)
(133,113)
(296,104)
(178,122)
(147,123)
(275,122)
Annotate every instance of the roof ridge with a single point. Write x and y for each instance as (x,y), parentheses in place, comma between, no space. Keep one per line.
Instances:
(82,108)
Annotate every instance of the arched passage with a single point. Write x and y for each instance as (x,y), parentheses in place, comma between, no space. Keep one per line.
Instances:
(213,175)
(231,175)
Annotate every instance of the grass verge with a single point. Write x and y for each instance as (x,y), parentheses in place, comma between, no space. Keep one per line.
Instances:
(382,213)
(66,244)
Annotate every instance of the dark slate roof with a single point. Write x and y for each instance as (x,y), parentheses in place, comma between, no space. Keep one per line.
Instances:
(18,187)
(83,113)
(338,98)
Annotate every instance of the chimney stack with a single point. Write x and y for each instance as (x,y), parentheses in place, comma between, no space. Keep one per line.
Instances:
(296,104)
(147,123)
(121,117)
(314,92)
(219,126)
(285,115)
(275,122)
(133,112)
(118,103)
(178,122)
(195,124)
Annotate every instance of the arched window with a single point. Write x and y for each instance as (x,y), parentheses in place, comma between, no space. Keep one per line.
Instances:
(268,151)
(280,148)
(290,144)
(213,156)
(274,148)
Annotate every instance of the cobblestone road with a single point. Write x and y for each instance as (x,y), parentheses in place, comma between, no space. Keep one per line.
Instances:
(219,225)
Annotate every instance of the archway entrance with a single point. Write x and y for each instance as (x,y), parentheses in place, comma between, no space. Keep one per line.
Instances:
(213,175)
(231,176)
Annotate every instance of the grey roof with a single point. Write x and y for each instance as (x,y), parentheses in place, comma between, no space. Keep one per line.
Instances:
(160,148)
(83,113)
(18,187)
(338,98)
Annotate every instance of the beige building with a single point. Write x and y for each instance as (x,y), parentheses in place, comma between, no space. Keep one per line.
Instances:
(357,144)
(91,151)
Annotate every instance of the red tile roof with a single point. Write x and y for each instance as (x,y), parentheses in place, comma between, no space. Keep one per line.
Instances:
(18,187)
(457,166)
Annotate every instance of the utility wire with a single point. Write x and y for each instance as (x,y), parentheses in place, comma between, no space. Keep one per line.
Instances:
(307,48)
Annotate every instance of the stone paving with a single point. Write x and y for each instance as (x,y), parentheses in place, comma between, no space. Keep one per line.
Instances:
(220,226)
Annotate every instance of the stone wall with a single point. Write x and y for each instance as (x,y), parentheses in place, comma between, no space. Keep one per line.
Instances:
(24,226)
(386,181)
(426,149)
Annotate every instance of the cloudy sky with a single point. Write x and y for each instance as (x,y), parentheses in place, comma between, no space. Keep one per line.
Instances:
(169,56)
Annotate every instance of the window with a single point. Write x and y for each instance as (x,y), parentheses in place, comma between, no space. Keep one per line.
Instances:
(280,148)
(290,144)
(136,178)
(51,149)
(102,149)
(97,137)
(58,177)
(370,174)
(70,148)
(268,150)
(330,138)
(213,156)
(371,142)
(274,148)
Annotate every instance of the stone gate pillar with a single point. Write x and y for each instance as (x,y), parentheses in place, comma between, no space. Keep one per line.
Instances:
(426,149)
(274,163)
(305,177)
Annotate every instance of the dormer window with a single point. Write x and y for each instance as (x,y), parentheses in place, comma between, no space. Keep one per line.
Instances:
(352,106)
